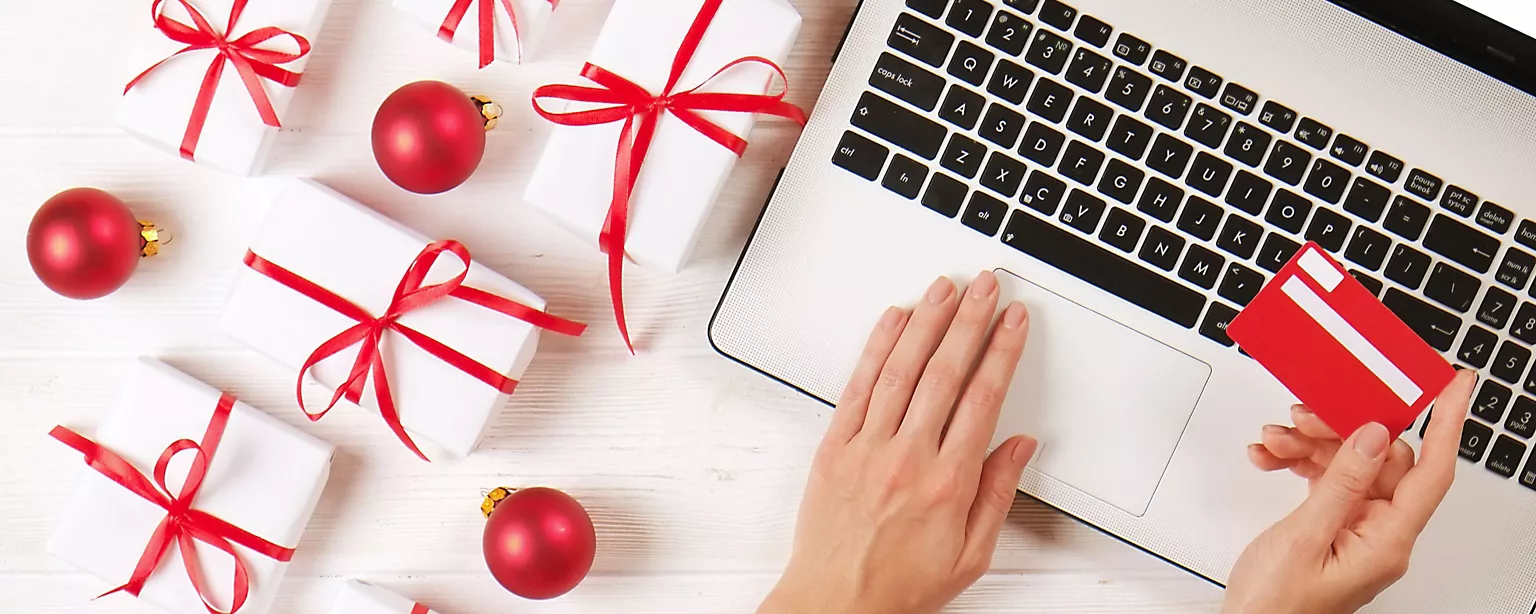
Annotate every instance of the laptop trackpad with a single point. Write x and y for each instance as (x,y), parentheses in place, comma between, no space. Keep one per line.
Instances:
(1107,403)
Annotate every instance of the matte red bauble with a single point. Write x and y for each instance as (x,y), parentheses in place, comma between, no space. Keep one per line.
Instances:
(428,136)
(84,243)
(539,542)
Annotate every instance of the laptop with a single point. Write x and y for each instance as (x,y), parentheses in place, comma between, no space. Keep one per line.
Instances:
(1135,171)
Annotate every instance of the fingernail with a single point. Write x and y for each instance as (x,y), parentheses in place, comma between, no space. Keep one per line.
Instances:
(891,318)
(1013,316)
(1023,449)
(1300,409)
(940,290)
(1371,440)
(1275,429)
(984,285)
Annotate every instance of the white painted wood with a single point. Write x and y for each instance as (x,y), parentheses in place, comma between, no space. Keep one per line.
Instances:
(691,465)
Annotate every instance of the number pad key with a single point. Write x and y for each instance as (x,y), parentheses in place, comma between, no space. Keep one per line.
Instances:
(1496,308)
(1515,271)
(1522,421)
(1476,349)
(1506,456)
(1474,440)
(1491,401)
(1509,363)
(1524,328)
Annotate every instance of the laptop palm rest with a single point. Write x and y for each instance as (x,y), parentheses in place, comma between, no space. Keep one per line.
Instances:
(1107,403)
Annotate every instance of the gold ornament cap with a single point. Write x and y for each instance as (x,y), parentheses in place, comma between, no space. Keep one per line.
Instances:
(494,498)
(152,237)
(489,109)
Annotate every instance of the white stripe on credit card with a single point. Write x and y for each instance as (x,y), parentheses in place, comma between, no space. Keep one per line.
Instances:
(1355,343)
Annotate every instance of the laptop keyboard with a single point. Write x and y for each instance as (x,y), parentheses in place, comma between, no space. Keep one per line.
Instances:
(1164,184)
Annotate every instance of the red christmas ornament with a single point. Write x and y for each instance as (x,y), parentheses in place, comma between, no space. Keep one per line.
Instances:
(428,136)
(539,542)
(84,243)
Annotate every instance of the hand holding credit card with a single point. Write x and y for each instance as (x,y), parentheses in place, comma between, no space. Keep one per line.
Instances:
(1338,349)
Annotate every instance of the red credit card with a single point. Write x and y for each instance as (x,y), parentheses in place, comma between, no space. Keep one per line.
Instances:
(1338,349)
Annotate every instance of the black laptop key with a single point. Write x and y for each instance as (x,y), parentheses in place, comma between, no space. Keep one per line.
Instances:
(1168,107)
(970,63)
(1121,181)
(1083,211)
(984,214)
(1214,326)
(1249,192)
(931,8)
(1058,14)
(1162,248)
(1276,251)
(1248,144)
(1474,440)
(962,107)
(1089,70)
(905,176)
(1009,33)
(1524,327)
(1081,163)
(1090,119)
(1328,181)
(1129,137)
(1023,6)
(1170,156)
(1510,362)
(1288,211)
(1384,167)
(1203,82)
(1049,51)
(920,39)
(1367,199)
(1522,421)
(1001,125)
(1329,229)
(1494,217)
(1496,308)
(1042,144)
(1526,234)
(1476,349)
(1050,100)
(1240,284)
(1407,266)
(1010,82)
(1103,268)
(860,155)
(1461,243)
(1043,193)
(1200,218)
(963,155)
(1277,117)
(1209,174)
(1131,49)
(1372,285)
(1287,163)
(1424,185)
(1160,200)
(1530,382)
(1349,150)
(1452,288)
(1368,248)
(1506,455)
(1168,66)
(1313,133)
(1492,397)
(1129,89)
(1201,267)
(1208,126)
(1239,99)
(945,195)
(1515,270)
(907,81)
(1092,31)
(1003,174)
(1407,218)
(969,16)
(1240,237)
(1459,201)
(1434,325)
(907,130)
(1122,229)
(1528,474)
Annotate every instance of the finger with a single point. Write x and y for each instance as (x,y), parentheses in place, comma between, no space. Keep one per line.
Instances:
(1286,442)
(1345,484)
(934,400)
(975,421)
(898,378)
(1326,450)
(854,404)
(1308,470)
(994,496)
(1311,425)
(1266,461)
(1399,462)
(1424,486)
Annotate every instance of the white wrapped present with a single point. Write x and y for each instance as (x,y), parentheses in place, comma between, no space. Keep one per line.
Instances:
(516,26)
(362,598)
(264,479)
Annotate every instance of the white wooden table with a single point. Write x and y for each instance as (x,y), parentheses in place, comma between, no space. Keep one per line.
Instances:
(691,465)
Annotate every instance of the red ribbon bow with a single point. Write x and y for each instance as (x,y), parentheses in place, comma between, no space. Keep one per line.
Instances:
(252,63)
(181,524)
(409,296)
(640,111)
(487,10)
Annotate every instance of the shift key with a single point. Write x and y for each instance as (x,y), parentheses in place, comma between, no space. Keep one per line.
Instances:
(907,130)
(907,81)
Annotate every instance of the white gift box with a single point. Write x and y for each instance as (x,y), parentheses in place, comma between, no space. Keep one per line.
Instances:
(265,478)
(234,138)
(532,17)
(360,255)
(363,598)
(684,170)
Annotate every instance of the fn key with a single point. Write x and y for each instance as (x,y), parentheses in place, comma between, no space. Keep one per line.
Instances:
(860,156)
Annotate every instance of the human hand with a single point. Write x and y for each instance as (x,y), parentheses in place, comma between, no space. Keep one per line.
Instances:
(903,506)
(1353,536)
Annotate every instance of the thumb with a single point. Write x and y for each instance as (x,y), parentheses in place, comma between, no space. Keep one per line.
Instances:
(1347,482)
(995,494)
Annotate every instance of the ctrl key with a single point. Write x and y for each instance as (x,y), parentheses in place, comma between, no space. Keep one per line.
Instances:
(860,155)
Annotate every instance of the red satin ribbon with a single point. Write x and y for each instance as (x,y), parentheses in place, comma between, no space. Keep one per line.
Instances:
(410,295)
(181,524)
(487,10)
(419,609)
(253,64)
(640,111)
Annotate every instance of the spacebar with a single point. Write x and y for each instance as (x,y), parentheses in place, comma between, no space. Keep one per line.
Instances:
(1102,268)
